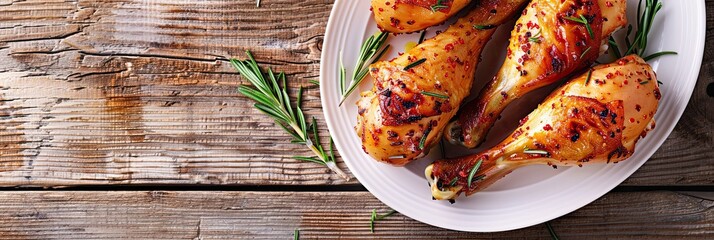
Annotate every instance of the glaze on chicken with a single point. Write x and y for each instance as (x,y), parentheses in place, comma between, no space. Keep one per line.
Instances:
(405,16)
(597,117)
(550,41)
(416,94)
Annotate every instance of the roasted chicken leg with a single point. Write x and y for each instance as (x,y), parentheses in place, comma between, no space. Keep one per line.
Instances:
(404,16)
(551,40)
(415,94)
(597,117)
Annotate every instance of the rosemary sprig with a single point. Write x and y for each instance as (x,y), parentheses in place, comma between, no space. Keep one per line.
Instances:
(551,231)
(273,100)
(296,234)
(371,51)
(473,172)
(645,20)
(584,21)
(438,6)
(434,94)
(414,64)
(375,217)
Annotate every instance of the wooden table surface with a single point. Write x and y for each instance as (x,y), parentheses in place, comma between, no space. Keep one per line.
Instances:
(120,119)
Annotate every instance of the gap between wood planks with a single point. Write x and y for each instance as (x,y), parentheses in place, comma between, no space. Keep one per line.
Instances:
(304,188)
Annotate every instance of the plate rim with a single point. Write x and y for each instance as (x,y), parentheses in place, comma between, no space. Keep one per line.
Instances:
(692,73)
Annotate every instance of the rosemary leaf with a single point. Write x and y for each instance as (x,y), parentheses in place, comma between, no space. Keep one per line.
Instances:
(658,54)
(553,236)
(585,52)
(535,38)
(473,172)
(453,181)
(483,27)
(421,37)
(296,234)
(374,217)
(423,138)
(434,94)
(590,74)
(313,81)
(438,6)
(584,21)
(414,64)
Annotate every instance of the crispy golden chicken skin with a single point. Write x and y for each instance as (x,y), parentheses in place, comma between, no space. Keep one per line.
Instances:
(597,117)
(415,94)
(404,16)
(550,41)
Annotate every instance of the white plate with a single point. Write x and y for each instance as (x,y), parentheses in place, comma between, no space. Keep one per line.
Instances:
(530,195)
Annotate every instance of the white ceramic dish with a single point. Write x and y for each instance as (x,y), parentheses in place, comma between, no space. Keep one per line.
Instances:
(530,195)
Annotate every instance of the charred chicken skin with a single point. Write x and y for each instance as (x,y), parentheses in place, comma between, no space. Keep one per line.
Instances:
(597,117)
(415,94)
(405,16)
(551,40)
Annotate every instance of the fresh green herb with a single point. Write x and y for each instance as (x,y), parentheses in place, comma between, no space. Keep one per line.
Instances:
(590,74)
(483,27)
(453,181)
(371,51)
(434,94)
(438,6)
(535,151)
(273,100)
(535,38)
(655,55)
(423,138)
(473,172)
(376,217)
(414,64)
(645,20)
(613,46)
(421,37)
(584,21)
(313,81)
(343,74)
(551,231)
(296,234)
(645,82)
(585,52)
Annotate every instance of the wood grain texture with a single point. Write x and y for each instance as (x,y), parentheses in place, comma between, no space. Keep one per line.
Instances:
(140,92)
(274,215)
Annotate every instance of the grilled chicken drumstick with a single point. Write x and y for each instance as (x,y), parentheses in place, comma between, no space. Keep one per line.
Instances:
(415,94)
(551,40)
(404,16)
(595,118)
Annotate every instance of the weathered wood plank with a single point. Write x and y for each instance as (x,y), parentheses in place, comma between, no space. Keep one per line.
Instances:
(139,92)
(274,215)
